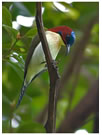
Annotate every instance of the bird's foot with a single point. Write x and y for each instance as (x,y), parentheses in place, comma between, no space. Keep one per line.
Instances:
(54,63)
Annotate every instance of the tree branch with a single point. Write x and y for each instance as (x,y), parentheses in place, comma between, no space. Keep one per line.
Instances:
(77,57)
(53,72)
(81,112)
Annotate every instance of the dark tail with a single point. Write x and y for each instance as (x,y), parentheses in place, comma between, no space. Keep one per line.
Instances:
(21,95)
(24,87)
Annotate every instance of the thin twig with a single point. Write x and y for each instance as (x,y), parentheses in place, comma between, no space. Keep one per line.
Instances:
(53,73)
(76,59)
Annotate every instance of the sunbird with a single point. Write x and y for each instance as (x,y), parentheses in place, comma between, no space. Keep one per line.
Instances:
(35,63)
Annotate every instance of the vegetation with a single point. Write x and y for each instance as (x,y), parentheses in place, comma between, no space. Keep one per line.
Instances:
(79,69)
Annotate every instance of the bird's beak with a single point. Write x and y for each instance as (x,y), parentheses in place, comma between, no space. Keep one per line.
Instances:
(67,49)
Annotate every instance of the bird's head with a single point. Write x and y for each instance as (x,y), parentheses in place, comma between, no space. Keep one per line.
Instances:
(67,35)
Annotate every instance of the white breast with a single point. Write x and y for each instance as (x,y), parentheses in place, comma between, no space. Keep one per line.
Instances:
(35,66)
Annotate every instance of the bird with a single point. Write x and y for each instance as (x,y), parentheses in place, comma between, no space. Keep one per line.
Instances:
(35,63)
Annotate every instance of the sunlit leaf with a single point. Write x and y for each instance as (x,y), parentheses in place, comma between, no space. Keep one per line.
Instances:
(72,12)
(89,124)
(12,32)
(31,33)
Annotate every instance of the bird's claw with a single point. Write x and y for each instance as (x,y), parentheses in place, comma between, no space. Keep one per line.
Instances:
(54,63)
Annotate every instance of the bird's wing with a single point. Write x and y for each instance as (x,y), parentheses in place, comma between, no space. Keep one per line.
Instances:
(34,43)
(45,69)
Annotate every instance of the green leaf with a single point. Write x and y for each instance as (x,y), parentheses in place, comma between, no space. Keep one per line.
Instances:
(11,31)
(31,127)
(6,108)
(61,111)
(89,124)
(18,8)
(31,32)
(6,16)
(6,42)
(38,103)
(5,125)
(17,67)
(31,7)
(5,99)
(72,12)
(6,39)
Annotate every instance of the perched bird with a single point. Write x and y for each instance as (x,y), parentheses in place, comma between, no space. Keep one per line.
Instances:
(35,62)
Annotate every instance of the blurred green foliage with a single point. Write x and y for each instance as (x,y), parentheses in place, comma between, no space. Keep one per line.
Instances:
(15,44)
